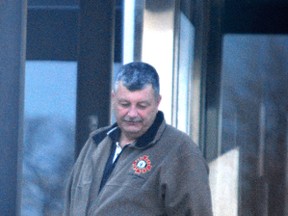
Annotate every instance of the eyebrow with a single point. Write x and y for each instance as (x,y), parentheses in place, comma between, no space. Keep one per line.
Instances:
(140,102)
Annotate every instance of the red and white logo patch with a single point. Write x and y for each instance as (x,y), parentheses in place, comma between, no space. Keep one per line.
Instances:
(142,165)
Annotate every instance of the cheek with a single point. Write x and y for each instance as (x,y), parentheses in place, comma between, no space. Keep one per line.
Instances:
(146,115)
(121,112)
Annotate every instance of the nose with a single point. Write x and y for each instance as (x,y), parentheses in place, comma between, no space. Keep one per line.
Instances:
(132,112)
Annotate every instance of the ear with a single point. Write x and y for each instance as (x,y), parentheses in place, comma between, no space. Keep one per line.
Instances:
(159,100)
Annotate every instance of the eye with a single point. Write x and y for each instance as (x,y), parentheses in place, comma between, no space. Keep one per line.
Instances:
(124,104)
(143,106)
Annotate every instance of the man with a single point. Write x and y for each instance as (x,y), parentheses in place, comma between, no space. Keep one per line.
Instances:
(140,165)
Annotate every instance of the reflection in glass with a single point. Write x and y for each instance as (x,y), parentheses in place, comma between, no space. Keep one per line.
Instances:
(184,74)
(50,100)
(254,124)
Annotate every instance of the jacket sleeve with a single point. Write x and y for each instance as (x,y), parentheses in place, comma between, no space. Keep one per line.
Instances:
(185,184)
(69,198)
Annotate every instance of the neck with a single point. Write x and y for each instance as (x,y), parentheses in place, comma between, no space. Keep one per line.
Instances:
(124,140)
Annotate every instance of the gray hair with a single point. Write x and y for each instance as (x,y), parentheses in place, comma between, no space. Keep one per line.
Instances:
(136,76)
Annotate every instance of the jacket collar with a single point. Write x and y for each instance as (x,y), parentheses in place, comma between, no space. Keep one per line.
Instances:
(146,138)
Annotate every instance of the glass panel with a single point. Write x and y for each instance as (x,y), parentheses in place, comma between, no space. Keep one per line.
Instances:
(49,131)
(250,175)
(186,55)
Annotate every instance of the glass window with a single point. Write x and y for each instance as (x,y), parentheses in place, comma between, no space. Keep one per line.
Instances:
(49,131)
(250,175)
(184,74)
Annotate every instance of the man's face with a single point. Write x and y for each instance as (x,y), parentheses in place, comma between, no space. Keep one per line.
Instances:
(135,111)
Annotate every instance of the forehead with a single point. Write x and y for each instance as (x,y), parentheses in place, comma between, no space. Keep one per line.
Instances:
(146,93)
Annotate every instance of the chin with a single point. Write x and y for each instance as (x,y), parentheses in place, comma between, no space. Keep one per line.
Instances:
(132,131)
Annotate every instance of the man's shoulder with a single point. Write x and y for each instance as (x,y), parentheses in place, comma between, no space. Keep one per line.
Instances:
(182,139)
(99,134)
(173,131)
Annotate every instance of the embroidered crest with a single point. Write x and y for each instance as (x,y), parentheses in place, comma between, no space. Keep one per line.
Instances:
(142,165)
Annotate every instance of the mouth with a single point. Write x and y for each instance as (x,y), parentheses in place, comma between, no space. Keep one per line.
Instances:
(132,122)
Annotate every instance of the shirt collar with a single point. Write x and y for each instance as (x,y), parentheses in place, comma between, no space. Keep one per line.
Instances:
(115,132)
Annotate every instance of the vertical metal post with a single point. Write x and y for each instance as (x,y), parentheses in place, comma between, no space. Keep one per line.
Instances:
(95,61)
(206,76)
(213,81)
(12,59)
